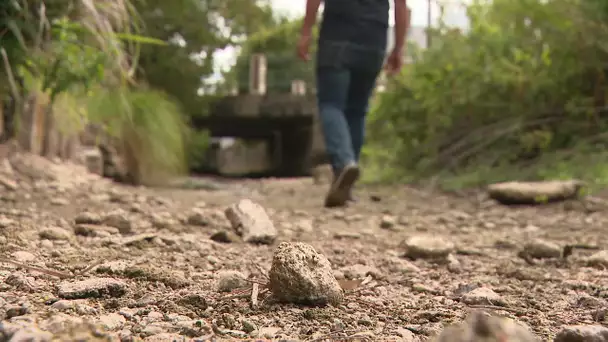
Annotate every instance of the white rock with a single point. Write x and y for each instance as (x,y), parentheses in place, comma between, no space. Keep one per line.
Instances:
(251,221)
(301,275)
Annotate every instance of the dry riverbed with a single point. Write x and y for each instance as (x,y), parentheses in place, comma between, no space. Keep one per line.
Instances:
(85,259)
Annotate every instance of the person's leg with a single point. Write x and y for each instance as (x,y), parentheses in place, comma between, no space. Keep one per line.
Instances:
(360,90)
(332,90)
(366,65)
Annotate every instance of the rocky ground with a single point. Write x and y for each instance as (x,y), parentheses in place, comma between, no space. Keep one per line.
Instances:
(85,259)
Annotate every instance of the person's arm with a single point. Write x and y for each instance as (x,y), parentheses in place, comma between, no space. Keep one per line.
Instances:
(402,23)
(310,18)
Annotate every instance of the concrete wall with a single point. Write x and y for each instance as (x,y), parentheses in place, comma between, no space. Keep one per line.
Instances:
(242,157)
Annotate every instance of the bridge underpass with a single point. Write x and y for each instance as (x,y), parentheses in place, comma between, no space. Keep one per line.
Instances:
(270,134)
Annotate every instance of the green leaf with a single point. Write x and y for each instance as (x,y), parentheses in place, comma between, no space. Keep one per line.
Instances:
(139,39)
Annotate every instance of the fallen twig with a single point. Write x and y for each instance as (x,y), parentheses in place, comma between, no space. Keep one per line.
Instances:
(88,268)
(495,307)
(57,274)
(237,294)
(255,291)
(255,282)
(262,271)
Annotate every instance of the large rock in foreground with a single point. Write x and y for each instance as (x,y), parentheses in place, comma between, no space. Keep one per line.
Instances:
(480,326)
(251,222)
(534,192)
(582,333)
(301,275)
(23,332)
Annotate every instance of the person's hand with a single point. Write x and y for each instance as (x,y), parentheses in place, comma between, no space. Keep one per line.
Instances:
(394,63)
(304,46)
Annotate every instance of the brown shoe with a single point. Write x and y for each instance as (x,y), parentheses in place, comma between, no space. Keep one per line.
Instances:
(339,192)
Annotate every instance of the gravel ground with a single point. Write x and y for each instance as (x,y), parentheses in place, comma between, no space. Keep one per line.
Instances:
(85,259)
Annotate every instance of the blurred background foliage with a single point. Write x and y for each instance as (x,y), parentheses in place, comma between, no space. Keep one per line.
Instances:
(135,66)
(520,94)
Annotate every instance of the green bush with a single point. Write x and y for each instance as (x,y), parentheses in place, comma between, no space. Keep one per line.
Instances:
(519,94)
(150,127)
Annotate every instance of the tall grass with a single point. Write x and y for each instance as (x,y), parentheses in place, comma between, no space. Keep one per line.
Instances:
(150,128)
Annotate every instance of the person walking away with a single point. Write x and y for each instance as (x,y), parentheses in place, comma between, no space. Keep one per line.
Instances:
(351,52)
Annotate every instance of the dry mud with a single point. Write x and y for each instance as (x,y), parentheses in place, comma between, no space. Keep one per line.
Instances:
(82,258)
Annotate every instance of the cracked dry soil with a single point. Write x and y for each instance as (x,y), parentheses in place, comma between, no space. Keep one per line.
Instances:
(85,259)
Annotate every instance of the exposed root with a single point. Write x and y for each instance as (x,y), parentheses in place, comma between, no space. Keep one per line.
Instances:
(53,273)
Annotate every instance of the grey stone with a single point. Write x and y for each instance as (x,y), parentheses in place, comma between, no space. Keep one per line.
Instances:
(427,247)
(55,233)
(87,217)
(480,326)
(251,221)
(388,222)
(230,280)
(92,159)
(483,296)
(224,236)
(112,321)
(20,332)
(198,218)
(360,271)
(92,288)
(119,219)
(534,192)
(599,259)
(582,333)
(541,249)
(23,256)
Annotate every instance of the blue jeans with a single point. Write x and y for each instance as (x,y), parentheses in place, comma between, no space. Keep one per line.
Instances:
(346,76)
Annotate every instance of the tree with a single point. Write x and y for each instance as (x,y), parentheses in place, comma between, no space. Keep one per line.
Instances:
(80,55)
(278,44)
(194,30)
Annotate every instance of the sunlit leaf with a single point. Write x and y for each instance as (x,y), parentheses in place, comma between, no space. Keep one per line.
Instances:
(139,39)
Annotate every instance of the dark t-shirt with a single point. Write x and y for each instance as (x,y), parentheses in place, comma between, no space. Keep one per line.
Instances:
(363,22)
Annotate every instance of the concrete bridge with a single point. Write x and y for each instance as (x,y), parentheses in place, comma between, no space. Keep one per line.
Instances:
(262,133)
